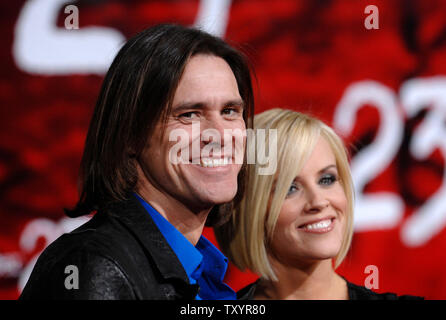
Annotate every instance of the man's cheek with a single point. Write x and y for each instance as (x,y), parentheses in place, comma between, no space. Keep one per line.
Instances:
(178,147)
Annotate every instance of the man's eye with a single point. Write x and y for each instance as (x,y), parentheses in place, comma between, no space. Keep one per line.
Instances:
(189,115)
(230,111)
(328,179)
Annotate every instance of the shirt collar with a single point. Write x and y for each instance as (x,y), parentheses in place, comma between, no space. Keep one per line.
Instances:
(188,255)
(204,263)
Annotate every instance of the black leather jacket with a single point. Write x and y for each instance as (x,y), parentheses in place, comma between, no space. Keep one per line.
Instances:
(120,254)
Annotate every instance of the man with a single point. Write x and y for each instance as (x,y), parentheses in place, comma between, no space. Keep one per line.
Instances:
(145,240)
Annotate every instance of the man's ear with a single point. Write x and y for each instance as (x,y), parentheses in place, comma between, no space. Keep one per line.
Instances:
(131,151)
(132,154)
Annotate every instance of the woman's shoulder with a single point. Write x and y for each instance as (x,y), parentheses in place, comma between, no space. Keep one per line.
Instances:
(247,293)
(356,292)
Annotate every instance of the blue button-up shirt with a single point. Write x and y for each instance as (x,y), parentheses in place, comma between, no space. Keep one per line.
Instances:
(204,264)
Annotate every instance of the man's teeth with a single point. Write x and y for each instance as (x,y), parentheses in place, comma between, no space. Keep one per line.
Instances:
(210,163)
(319,225)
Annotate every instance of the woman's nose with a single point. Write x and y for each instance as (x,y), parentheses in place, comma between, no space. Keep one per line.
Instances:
(316,201)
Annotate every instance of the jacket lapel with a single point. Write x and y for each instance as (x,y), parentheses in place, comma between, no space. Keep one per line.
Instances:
(135,217)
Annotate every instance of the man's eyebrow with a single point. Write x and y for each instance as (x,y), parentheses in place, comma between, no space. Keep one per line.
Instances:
(237,102)
(201,105)
(188,106)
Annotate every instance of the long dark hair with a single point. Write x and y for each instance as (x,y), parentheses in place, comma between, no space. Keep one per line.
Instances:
(136,94)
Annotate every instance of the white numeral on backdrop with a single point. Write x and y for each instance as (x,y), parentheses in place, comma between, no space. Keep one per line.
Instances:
(41,47)
(418,94)
(380,210)
(213,16)
(43,228)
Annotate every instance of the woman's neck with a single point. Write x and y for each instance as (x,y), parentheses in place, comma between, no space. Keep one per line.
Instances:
(313,281)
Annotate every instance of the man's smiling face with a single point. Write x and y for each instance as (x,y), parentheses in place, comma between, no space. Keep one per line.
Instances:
(208,96)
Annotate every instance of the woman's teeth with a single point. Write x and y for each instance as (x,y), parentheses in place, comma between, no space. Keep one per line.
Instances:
(318,225)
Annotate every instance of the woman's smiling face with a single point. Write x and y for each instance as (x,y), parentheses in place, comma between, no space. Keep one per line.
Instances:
(311,222)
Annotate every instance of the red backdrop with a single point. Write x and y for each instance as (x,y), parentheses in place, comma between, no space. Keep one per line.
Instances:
(383,90)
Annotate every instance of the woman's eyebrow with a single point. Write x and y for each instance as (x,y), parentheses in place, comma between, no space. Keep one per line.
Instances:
(328,167)
(320,171)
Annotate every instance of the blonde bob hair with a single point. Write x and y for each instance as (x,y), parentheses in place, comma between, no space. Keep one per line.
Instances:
(246,238)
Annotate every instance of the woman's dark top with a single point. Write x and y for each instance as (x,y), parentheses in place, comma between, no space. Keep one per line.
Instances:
(355,292)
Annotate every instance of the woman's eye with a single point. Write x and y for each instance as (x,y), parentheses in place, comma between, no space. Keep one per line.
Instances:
(328,179)
(293,188)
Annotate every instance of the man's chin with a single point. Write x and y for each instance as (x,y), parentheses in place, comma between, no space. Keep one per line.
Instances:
(216,196)
(221,199)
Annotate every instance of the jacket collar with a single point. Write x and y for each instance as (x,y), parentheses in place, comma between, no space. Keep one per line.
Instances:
(135,217)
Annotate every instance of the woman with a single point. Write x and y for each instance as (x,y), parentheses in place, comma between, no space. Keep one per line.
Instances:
(293,228)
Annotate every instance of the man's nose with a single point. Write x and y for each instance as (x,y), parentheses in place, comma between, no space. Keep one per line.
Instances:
(213,131)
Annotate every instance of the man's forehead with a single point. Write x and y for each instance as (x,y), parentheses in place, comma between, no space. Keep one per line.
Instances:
(199,60)
(206,70)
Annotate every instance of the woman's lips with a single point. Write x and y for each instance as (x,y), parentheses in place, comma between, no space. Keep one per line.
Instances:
(320,226)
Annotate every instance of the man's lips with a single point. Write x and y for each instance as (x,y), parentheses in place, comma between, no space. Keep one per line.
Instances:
(213,162)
